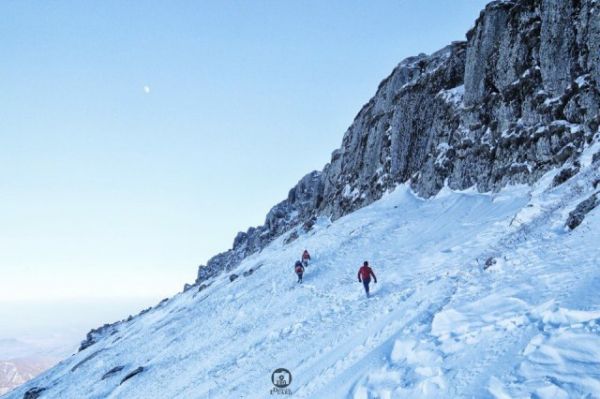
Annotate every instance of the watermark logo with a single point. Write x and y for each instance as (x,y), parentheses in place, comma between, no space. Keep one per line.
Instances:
(281,379)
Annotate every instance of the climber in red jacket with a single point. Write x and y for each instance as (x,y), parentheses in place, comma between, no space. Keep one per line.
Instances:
(305,258)
(364,276)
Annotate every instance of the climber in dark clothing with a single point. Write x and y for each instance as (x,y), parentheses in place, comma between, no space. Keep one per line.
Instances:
(364,276)
(299,269)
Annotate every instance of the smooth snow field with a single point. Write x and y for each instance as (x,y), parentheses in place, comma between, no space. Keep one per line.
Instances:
(438,325)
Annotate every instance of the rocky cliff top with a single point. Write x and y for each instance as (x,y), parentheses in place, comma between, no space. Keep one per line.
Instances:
(520,96)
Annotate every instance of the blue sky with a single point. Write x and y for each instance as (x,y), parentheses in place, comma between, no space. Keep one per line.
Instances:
(109,191)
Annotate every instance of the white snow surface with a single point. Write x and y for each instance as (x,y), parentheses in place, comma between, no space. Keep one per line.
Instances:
(453,96)
(438,325)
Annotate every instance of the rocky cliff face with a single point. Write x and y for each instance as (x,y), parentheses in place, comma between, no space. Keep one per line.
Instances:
(520,96)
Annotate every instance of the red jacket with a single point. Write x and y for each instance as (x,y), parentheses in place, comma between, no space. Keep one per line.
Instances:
(365,273)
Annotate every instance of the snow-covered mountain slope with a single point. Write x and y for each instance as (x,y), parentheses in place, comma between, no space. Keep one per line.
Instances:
(478,295)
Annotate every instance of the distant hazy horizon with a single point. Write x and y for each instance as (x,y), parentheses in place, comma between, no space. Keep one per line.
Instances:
(36,335)
(55,328)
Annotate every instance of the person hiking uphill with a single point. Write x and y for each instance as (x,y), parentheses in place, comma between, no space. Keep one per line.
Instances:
(299,269)
(305,258)
(364,276)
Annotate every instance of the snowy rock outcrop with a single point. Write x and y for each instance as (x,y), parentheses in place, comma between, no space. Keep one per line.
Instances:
(519,97)
(583,208)
(301,206)
(96,334)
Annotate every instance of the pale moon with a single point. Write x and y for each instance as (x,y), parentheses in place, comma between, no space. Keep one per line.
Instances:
(146,89)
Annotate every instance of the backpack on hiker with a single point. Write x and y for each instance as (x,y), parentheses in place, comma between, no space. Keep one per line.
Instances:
(299,270)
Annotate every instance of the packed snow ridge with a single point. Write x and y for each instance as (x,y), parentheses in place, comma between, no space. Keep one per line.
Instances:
(478,295)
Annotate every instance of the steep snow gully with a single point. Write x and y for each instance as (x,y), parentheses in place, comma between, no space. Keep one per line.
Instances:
(479,295)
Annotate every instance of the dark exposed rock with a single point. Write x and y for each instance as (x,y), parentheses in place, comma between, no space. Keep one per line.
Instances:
(202,287)
(248,272)
(519,97)
(149,308)
(95,334)
(489,262)
(162,302)
(86,359)
(309,224)
(565,174)
(583,208)
(112,372)
(33,393)
(233,276)
(132,374)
